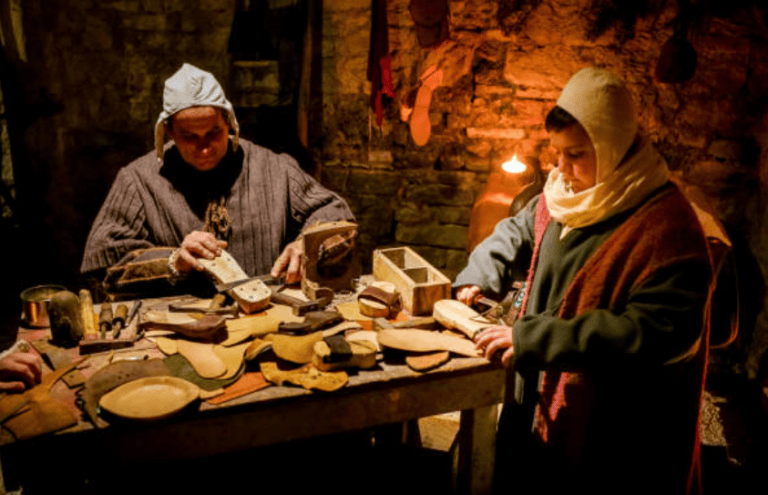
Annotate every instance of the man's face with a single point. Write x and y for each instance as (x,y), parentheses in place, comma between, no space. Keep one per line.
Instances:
(201,135)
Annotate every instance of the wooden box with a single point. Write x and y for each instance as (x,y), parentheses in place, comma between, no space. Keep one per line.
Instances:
(419,283)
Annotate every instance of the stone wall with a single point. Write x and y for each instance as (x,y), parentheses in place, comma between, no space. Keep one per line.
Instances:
(88,98)
(502,73)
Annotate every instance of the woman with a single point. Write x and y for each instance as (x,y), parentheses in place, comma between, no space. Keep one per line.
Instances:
(612,320)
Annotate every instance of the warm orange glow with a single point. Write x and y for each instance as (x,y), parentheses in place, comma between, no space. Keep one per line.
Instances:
(513,166)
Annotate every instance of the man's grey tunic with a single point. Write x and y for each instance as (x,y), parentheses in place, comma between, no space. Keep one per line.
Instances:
(269,198)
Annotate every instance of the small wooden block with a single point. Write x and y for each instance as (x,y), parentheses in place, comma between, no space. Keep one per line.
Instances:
(420,284)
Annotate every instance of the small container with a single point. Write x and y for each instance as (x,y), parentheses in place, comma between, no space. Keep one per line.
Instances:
(35,302)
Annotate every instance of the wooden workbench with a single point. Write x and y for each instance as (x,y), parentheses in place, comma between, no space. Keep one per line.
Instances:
(387,394)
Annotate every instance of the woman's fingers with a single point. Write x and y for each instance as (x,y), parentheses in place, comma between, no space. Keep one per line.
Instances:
(494,339)
(468,294)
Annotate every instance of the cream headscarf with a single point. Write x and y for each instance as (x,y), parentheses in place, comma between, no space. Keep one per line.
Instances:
(192,87)
(602,104)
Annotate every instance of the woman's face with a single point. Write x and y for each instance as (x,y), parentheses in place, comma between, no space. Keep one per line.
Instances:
(576,157)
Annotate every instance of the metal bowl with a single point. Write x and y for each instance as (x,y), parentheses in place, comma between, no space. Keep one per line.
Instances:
(34,303)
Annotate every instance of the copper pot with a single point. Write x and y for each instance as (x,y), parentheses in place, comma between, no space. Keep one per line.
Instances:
(35,301)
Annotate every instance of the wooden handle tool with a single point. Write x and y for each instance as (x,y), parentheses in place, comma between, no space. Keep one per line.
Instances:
(118,321)
(105,320)
(86,311)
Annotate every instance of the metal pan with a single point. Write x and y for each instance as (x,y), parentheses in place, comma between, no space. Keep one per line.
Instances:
(35,302)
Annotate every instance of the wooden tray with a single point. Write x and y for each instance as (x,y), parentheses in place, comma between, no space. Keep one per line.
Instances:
(419,283)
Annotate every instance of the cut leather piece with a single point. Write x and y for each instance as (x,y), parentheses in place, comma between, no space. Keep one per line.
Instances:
(296,349)
(249,382)
(110,377)
(306,376)
(420,126)
(351,311)
(313,321)
(41,414)
(233,357)
(167,345)
(205,327)
(260,324)
(344,326)
(427,361)
(457,315)
(361,354)
(202,358)
(59,359)
(426,341)
(256,348)
(364,335)
(180,366)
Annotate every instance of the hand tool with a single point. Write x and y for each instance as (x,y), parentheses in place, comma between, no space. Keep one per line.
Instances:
(132,312)
(118,322)
(105,320)
(86,311)
(300,308)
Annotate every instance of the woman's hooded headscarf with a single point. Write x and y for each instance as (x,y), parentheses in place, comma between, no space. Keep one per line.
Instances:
(192,87)
(600,101)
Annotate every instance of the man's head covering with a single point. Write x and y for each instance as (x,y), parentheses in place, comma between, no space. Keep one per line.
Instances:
(602,104)
(600,101)
(192,87)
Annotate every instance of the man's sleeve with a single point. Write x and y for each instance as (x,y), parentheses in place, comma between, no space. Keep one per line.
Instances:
(310,202)
(119,226)
(660,322)
(504,256)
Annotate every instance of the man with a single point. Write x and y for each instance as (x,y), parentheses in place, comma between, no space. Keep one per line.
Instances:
(207,191)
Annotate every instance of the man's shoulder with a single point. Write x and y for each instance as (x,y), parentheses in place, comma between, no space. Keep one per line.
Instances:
(145,164)
(257,155)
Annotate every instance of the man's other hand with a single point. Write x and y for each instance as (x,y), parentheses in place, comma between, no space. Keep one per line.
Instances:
(19,370)
(289,262)
(197,245)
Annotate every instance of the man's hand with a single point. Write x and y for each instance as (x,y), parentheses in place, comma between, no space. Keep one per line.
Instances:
(197,245)
(494,339)
(468,294)
(19,370)
(289,262)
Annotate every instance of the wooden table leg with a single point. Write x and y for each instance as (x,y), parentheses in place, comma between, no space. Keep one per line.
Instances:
(477,450)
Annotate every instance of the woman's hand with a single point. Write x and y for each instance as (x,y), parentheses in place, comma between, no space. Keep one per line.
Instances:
(494,339)
(468,294)
(19,370)
(289,262)
(197,245)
